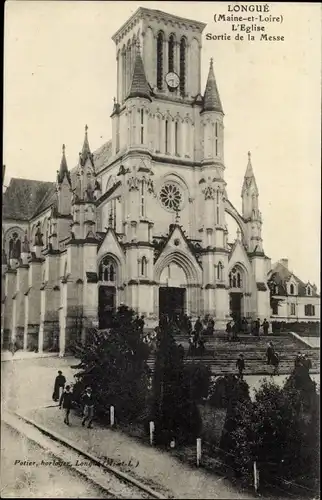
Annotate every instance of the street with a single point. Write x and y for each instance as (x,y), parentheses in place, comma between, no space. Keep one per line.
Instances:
(25,480)
(28,384)
(27,387)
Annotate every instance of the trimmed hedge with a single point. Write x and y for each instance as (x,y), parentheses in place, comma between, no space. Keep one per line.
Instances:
(305,328)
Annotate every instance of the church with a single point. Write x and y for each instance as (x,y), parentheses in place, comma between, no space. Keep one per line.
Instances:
(142,220)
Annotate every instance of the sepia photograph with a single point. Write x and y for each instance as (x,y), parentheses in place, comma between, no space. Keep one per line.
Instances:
(160,291)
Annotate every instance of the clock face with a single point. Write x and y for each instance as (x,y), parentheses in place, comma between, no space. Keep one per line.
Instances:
(172,80)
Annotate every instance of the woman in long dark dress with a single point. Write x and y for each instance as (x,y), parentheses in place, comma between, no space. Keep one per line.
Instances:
(60,382)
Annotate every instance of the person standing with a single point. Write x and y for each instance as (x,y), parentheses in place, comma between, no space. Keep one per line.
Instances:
(298,360)
(307,362)
(211,326)
(88,412)
(66,401)
(240,364)
(59,385)
(265,326)
(258,325)
(275,362)
(198,326)
(228,330)
(244,326)
(235,330)
(189,325)
(269,352)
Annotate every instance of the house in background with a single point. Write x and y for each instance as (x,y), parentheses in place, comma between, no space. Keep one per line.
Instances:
(293,300)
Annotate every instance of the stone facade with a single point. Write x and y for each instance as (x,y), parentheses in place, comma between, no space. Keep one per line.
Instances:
(142,220)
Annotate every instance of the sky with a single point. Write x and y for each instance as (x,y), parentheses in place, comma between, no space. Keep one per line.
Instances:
(60,74)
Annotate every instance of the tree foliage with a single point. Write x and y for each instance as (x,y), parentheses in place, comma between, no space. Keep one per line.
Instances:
(114,364)
(174,409)
(226,390)
(198,376)
(279,430)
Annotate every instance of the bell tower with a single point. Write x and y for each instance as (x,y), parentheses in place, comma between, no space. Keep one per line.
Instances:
(171,53)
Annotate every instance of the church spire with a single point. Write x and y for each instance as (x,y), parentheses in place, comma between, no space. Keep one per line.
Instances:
(63,170)
(249,178)
(86,151)
(211,99)
(139,84)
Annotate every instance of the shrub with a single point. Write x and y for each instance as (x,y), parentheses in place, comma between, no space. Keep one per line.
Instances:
(198,376)
(226,390)
(279,430)
(114,364)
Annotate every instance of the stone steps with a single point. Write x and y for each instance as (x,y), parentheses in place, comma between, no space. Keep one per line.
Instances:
(221,355)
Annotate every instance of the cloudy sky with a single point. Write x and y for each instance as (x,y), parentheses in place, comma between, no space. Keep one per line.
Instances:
(60,73)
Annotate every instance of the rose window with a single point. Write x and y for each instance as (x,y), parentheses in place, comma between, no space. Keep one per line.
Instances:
(171,197)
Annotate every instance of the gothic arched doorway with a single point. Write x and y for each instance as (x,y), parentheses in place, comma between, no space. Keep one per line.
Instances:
(236,294)
(172,291)
(106,292)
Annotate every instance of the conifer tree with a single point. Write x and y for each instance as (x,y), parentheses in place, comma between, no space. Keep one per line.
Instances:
(174,410)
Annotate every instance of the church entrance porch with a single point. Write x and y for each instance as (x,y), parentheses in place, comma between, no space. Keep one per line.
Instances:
(171,301)
(106,306)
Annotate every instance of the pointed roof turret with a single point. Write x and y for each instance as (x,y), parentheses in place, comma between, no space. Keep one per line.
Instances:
(211,99)
(63,170)
(86,151)
(249,177)
(139,84)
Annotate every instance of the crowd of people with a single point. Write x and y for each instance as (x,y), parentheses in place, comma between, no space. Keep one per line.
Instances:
(246,326)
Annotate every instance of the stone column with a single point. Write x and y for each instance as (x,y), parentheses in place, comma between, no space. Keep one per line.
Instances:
(32,305)
(49,321)
(21,288)
(222,307)
(10,287)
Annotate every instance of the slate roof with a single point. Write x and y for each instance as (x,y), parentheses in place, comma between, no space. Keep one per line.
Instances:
(25,198)
(211,100)
(139,85)
(281,275)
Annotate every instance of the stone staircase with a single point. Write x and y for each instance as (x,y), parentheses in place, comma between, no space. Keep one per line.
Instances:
(221,355)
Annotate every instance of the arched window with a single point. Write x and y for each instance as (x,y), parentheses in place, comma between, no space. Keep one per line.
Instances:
(291,289)
(128,66)
(144,266)
(176,126)
(235,279)
(308,290)
(217,208)
(142,127)
(123,72)
(158,133)
(112,214)
(216,138)
(107,270)
(14,246)
(171,53)
(182,66)
(142,200)
(160,60)
(167,129)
